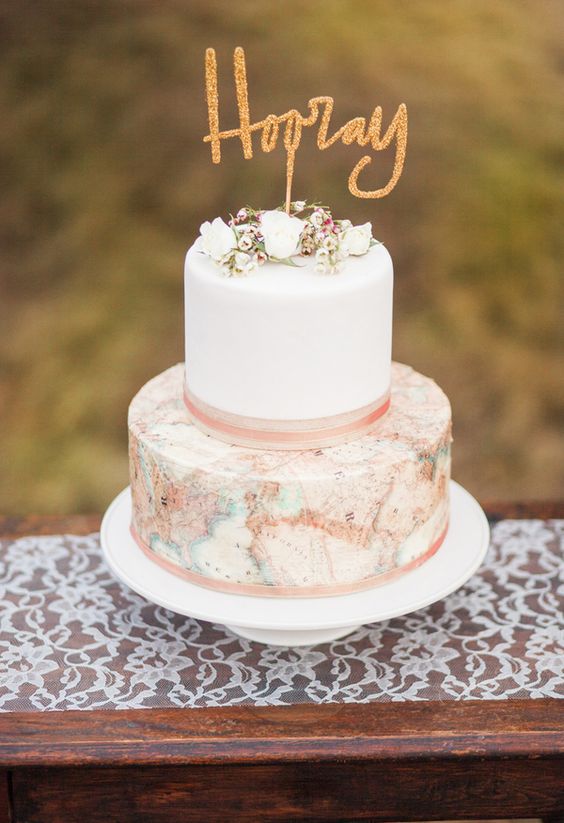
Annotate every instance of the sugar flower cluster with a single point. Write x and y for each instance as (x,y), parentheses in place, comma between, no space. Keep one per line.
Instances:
(252,237)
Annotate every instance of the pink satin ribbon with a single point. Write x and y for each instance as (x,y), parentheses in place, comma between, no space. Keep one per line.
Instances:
(258,590)
(290,434)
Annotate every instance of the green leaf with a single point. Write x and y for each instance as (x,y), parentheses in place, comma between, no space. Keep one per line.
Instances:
(286,260)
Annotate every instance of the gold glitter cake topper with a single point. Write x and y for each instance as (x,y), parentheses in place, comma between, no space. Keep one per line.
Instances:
(354,131)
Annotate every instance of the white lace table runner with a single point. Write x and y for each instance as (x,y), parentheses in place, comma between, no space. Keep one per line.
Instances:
(73,637)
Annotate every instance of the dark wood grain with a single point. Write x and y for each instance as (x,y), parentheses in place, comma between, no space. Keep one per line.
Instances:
(348,790)
(538,509)
(407,761)
(5,804)
(32,524)
(382,731)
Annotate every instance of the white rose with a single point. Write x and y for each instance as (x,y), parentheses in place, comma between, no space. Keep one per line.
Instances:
(316,218)
(356,240)
(218,239)
(281,233)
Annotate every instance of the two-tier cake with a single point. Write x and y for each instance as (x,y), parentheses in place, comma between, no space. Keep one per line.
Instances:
(289,455)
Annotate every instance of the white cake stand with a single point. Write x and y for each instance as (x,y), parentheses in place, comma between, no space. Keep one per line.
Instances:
(302,621)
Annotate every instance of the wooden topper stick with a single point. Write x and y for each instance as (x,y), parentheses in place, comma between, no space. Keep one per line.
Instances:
(292,137)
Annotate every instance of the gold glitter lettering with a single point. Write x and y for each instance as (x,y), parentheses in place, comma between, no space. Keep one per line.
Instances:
(213,105)
(243,101)
(398,130)
(353,131)
(269,136)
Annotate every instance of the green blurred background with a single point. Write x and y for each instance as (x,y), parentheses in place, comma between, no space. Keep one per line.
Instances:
(107,180)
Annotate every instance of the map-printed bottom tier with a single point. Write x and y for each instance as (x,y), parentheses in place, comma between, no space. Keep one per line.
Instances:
(310,522)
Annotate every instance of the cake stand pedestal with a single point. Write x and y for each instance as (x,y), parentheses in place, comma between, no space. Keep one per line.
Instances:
(302,621)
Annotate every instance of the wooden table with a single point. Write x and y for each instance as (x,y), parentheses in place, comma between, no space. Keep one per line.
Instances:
(395,761)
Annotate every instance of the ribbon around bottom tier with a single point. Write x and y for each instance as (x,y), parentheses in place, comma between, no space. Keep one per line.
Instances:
(284,434)
(264,590)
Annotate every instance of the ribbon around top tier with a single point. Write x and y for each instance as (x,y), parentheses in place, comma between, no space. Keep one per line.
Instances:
(284,434)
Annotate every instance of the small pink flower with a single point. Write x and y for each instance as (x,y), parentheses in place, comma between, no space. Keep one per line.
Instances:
(245,242)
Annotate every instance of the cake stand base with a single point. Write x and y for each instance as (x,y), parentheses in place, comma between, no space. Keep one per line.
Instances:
(271,637)
(302,621)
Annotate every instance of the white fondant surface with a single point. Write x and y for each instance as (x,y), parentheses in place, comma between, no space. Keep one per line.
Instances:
(288,343)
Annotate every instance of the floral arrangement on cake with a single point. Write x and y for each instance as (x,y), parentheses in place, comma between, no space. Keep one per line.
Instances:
(252,237)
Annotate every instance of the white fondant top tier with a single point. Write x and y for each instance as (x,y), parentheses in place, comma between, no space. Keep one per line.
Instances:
(289,343)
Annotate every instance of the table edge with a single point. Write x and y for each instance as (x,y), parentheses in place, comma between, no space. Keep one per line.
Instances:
(420,731)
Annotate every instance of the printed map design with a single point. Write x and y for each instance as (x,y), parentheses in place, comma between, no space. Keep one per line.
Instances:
(301,519)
